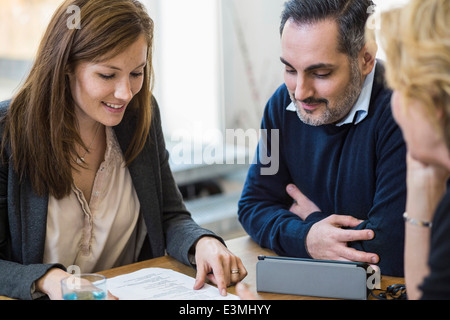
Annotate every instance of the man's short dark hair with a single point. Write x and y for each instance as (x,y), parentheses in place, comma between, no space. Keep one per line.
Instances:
(350,15)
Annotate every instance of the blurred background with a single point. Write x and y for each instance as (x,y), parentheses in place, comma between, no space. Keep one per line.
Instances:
(216,65)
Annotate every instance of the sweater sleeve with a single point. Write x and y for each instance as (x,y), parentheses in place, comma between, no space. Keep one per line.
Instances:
(264,205)
(385,217)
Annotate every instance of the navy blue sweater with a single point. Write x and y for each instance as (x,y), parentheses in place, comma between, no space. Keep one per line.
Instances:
(357,170)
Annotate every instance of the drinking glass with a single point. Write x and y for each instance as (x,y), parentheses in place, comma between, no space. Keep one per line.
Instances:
(84,287)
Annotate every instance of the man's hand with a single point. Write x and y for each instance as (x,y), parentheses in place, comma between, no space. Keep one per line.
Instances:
(302,206)
(328,241)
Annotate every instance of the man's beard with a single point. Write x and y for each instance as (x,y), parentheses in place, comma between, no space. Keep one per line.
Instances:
(343,104)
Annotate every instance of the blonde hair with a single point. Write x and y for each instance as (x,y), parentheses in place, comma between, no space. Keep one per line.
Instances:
(416,39)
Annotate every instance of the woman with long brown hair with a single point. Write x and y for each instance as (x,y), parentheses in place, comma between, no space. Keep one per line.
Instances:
(84,177)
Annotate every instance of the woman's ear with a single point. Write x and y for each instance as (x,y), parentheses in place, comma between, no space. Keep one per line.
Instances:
(68,70)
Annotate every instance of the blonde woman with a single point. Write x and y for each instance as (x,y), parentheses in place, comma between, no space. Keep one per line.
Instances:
(85,178)
(417,43)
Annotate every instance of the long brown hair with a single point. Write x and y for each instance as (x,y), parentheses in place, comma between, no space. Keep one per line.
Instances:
(40,126)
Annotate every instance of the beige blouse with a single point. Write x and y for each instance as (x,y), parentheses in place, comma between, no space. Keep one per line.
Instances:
(105,233)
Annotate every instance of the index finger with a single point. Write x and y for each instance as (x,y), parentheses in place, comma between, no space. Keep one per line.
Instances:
(344,221)
(200,277)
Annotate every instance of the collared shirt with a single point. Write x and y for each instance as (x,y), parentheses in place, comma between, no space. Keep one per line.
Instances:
(104,233)
(361,108)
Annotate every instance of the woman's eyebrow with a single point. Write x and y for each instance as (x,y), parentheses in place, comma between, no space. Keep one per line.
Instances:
(117,68)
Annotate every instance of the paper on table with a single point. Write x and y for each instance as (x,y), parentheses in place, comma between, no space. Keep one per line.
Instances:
(161,284)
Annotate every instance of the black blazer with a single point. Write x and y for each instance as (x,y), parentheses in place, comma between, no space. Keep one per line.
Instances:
(23,214)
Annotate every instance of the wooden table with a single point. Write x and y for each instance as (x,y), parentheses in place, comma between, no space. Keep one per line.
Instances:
(248,251)
(243,247)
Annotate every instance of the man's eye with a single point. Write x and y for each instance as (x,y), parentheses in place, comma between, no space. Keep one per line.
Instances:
(290,71)
(322,75)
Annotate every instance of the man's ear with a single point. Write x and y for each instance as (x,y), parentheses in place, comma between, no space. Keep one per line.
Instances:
(367,57)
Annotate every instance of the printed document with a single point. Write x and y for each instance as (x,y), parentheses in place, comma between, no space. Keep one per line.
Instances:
(161,284)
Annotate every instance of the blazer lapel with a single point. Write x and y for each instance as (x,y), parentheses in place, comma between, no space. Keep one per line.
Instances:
(145,181)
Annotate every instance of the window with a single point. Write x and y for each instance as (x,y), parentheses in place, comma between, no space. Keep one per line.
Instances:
(188,65)
(22,23)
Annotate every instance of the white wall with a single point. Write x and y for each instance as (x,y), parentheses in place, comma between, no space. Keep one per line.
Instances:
(252,67)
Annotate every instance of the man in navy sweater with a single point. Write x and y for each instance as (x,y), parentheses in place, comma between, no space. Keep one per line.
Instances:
(339,191)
